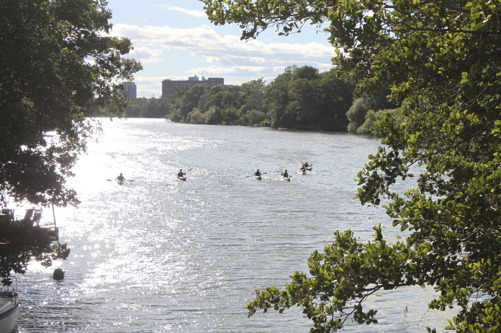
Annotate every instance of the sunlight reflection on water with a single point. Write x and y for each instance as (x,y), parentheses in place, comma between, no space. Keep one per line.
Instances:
(161,255)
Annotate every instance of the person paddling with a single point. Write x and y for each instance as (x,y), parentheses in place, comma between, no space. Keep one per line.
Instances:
(257,174)
(120,179)
(307,166)
(181,174)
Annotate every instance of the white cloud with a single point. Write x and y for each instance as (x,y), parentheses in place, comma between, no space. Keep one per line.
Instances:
(146,55)
(196,13)
(222,70)
(148,79)
(206,42)
(178,53)
(148,86)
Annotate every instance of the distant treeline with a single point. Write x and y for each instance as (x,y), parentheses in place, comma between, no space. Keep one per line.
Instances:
(300,98)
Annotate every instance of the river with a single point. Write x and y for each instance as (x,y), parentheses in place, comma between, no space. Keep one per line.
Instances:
(162,255)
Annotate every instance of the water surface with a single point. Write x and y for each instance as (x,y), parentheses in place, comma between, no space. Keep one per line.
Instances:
(161,255)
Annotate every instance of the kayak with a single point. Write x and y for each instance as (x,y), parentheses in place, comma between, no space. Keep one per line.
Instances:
(120,181)
(181,178)
(288,179)
(257,177)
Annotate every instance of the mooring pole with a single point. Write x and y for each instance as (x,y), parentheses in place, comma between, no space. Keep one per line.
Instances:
(54,216)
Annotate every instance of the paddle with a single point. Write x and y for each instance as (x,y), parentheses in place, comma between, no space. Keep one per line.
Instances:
(125,180)
(262,173)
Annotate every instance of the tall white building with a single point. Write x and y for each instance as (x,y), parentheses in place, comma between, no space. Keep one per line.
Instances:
(130,90)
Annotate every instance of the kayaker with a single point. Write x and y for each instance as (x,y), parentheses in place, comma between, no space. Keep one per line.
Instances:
(285,174)
(257,173)
(120,178)
(181,173)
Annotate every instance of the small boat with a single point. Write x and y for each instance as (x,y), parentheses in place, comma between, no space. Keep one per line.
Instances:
(287,179)
(9,311)
(181,178)
(120,181)
(258,177)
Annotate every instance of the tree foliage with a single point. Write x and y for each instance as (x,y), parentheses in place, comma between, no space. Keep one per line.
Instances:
(21,241)
(303,98)
(373,118)
(300,98)
(146,108)
(58,63)
(356,114)
(441,60)
(227,105)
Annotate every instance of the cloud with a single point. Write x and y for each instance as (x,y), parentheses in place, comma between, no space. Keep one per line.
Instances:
(204,41)
(146,55)
(149,86)
(224,70)
(195,13)
(180,52)
(148,79)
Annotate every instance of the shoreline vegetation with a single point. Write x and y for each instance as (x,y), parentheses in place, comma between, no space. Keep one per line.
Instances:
(301,98)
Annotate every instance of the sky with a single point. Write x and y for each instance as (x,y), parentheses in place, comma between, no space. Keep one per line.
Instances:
(173,39)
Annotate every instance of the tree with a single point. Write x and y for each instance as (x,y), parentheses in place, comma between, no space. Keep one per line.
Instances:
(213,116)
(372,120)
(136,107)
(184,101)
(373,99)
(303,98)
(253,94)
(335,100)
(57,65)
(156,108)
(277,99)
(443,58)
(357,113)
(306,73)
(196,117)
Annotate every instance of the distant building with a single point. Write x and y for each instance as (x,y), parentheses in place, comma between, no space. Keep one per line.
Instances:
(130,90)
(170,86)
